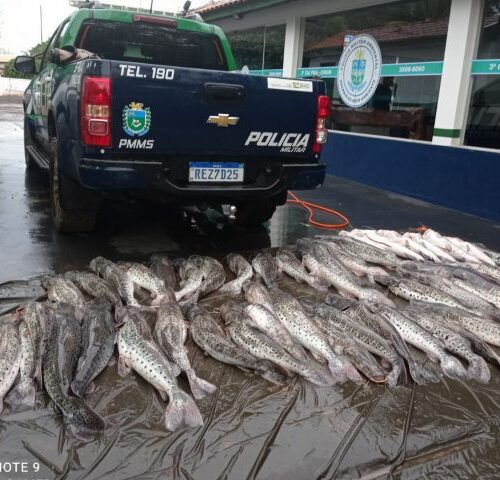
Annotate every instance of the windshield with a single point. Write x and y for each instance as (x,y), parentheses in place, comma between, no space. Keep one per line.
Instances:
(156,44)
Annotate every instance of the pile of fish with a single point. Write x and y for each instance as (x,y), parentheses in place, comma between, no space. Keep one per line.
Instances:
(377,305)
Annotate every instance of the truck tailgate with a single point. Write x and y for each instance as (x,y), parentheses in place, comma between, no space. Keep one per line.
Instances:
(167,110)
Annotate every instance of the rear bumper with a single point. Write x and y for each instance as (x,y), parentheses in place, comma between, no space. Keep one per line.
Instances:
(169,179)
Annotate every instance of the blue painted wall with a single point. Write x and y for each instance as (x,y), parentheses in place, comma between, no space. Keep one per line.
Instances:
(461,178)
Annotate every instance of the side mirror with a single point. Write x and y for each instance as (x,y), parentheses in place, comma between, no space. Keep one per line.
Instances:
(25,64)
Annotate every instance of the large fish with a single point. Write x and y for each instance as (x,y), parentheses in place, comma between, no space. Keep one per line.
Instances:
(322,264)
(479,286)
(356,265)
(369,339)
(357,312)
(263,347)
(292,316)
(422,339)
(454,342)
(60,289)
(392,243)
(265,266)
(191,280)
(92,285)
(257,294)
(267,323)
(139,352)
(24,391)
(143,277)
(171,332)
(461,250)
(98,341)
(62,349)
(353,352)
(470,301)
(210,337)
(489,273)
(243,271)
(163,267)
(288,263)
(116,277)
(412,290)
(213,273)
(10,358)
(36,315)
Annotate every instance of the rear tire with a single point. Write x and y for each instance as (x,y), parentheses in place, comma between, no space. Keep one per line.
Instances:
(252,214)
(66,220)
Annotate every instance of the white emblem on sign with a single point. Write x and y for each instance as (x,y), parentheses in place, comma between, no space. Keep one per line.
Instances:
(359,71)
(289,84)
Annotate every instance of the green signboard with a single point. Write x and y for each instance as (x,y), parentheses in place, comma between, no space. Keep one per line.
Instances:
(486,67)
(412,69)
(479,67)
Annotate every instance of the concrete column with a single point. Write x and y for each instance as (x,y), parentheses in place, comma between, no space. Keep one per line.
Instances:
(462,42)
(294,46)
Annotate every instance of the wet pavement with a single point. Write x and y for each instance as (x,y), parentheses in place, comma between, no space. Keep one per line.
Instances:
(252,429)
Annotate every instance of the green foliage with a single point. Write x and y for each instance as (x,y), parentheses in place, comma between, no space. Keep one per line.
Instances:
(37,51)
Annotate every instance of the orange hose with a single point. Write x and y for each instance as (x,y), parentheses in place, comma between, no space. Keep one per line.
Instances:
(310,207)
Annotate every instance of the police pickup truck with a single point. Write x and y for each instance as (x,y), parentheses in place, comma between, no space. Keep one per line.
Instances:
(154,106)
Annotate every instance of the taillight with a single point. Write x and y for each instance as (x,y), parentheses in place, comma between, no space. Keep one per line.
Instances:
(95,111)
(166,22)
(320,131)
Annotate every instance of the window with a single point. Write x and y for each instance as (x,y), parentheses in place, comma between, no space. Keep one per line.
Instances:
(260,48)
(483,125)
(153,44)
(412,39)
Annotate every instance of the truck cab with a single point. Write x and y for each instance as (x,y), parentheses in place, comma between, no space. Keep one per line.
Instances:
(154,106)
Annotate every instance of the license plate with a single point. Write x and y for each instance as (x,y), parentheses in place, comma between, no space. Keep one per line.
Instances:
(210,172)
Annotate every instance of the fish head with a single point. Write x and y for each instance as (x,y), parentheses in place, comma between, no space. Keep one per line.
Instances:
(341,303)
(385,280)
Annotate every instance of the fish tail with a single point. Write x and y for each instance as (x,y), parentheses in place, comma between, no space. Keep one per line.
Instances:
(78,388)
(394,374)
(479,370)
(23,394)
(297,351)
(350,371)
(420,374)
(38,374)
(199,387)
(82,421)
(231,288)
(452,367)
(182,411)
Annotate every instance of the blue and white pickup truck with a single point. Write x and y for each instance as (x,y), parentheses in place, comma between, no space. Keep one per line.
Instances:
(154,105)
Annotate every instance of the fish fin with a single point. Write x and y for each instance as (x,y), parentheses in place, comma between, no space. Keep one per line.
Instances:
(91,387)
(230,288)
(38,374)
(453,368)
(347,294)
(274,377)
(1,406)
(163,395)
(199,387)
(318,357)
(182,411)
(23,394)
(124,367)
(479,370)
(111,361)
(78,388)
(297,351)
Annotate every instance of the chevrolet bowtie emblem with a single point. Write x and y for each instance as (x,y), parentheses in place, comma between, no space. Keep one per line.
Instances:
(223,120)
